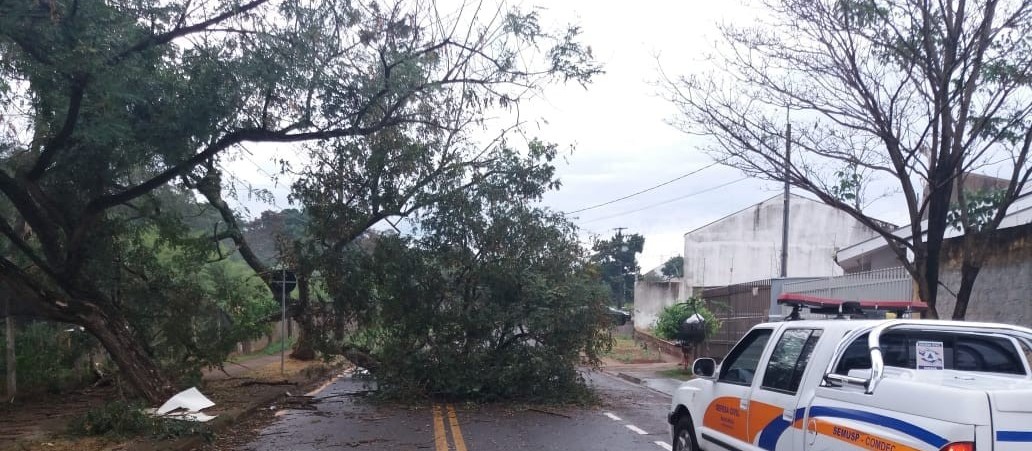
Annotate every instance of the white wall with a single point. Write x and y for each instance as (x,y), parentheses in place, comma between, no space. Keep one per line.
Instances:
(746,246)
(650,298)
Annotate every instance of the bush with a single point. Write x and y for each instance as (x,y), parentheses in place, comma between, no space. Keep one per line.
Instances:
(51,356)
(670,318)
(127,419)
(117,418)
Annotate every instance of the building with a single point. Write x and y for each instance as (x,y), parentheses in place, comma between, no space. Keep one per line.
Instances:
(746,246)
(743,249)
(1003,289)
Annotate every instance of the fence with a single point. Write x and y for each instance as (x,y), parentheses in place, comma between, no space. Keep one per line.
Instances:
(890,284)
(739,308)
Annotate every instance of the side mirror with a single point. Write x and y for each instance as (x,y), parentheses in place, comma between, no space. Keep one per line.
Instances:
(704,367)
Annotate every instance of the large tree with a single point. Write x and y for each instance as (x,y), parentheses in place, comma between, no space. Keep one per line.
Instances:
(673,268)
(618,264)
(101,103)
(909,95)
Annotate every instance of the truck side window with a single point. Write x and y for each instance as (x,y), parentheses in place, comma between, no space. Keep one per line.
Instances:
(962,352)
(1027,350)
(987,354)
(788,361)
(739,366)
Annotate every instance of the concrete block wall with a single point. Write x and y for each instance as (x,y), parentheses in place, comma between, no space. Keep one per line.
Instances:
(1003,289)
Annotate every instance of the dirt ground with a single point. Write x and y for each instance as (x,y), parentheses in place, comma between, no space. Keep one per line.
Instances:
(41,423)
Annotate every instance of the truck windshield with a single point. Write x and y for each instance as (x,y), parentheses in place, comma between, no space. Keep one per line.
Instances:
(964,352)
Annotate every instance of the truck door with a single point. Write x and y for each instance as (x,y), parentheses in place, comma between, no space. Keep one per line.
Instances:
(775,408)
(725,424)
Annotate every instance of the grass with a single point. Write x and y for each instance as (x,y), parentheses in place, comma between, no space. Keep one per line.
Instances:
(626,350)
(276,346)
(271,349)
(676,373)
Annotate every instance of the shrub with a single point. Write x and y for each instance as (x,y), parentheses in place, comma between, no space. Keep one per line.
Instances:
(127,419)
(51,356)
(670,318)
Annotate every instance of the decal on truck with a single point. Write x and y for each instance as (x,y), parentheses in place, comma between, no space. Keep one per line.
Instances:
(1013,436)
(725,415)
(934,440)
(859,438)
(767,423)
(763,425)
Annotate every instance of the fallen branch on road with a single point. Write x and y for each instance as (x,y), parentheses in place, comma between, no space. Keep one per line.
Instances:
(281,382)
(549,412)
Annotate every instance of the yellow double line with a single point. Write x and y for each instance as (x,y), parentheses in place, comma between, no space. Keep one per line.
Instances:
(440,436)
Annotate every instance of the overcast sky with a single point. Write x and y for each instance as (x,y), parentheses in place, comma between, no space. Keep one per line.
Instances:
(618,127)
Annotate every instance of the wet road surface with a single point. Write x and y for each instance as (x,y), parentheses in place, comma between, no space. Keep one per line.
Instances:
(631,418)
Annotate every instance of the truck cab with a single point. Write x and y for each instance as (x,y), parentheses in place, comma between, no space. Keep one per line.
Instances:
(885,385)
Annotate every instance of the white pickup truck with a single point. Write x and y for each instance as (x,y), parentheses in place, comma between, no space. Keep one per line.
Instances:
(886,385)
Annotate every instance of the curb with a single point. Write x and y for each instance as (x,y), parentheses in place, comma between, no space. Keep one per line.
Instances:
(637,381)
(629,378)
(224,421)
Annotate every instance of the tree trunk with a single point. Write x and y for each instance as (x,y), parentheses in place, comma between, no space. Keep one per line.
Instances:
(339,324)
(139,369)
(968,273)
(306,334)
(924,290)
(11,356)
(938,209)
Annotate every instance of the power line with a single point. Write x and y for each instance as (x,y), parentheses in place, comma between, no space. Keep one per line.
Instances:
(647,189)
(667,201)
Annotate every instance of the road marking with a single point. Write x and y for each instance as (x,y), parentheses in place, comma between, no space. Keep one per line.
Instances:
(613,417)
(636,429)
(456,432)
(440,439)
(323,386)
(664,445)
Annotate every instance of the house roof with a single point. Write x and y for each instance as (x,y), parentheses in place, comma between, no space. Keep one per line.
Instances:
(778,196)
(1019,214)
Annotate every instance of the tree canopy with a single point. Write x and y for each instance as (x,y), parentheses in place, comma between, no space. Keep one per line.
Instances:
(105,104)
(618,263)
(491,298)
(673,268)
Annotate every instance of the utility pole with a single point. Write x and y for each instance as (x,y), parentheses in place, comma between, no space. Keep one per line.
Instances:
(287,280)
(12,360)
(283,322)
(784,218)
(623,267)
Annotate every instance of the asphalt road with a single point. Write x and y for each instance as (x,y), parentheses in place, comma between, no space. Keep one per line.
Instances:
(631,418)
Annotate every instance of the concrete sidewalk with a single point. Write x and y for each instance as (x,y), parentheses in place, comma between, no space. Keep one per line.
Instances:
(241,368)
(647,374)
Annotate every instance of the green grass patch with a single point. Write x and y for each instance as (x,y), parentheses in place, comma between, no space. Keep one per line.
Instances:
(276,346)
(676,373)
(271,349)
(626,350)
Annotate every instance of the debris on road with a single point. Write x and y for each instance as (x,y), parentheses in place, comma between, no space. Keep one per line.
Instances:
(192,401)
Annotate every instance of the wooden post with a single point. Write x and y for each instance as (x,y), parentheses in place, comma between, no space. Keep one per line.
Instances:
(12,361)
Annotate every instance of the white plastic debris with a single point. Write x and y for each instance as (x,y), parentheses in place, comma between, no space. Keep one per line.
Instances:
(191,402)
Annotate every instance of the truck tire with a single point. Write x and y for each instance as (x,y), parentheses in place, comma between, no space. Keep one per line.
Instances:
(684,435)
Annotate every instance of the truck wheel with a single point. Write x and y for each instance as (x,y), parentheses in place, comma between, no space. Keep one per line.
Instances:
(684,435)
